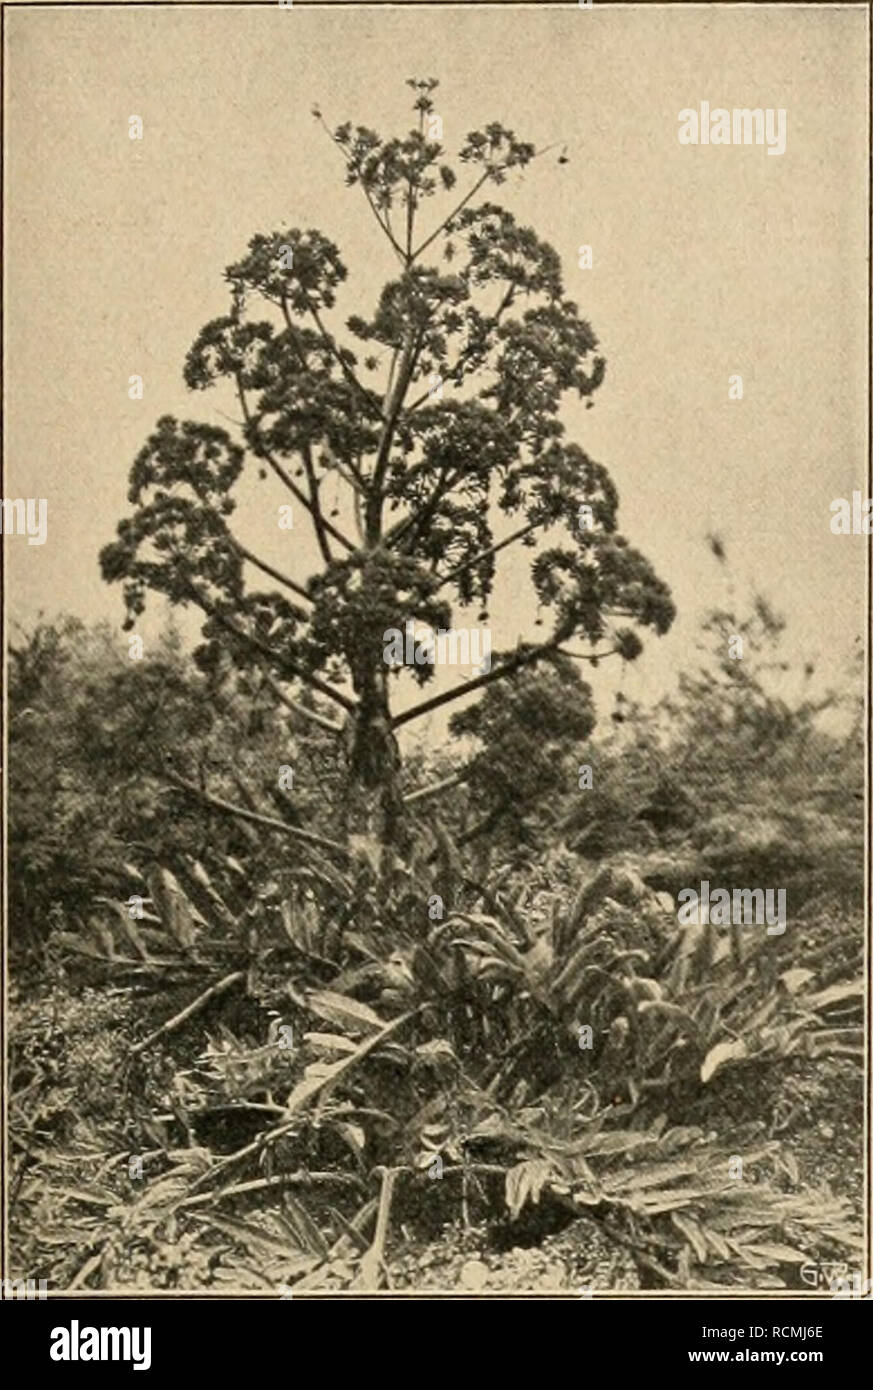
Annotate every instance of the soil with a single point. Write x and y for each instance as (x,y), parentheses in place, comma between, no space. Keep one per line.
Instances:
(580,1259)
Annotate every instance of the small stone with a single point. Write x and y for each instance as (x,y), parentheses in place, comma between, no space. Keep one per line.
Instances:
(473,1274)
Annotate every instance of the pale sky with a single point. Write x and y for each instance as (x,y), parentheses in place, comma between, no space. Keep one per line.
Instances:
(707,261)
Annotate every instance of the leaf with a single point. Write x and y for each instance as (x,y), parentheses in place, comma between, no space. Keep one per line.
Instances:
(165,1190)
(526,1181)
(201,880)
(584,1179)
(175,910)
(429,975)
(662,1009)
(258,1242)
(78,944)
(303,1227)
(654,1203)
(628,1180)
(788,1164)
(716,1243)
(721,1054)
(852,989)
(286,912)
(777,1254)
(795,979)
(353,1135)
(231,1276)
(692,1233)
(366,850)
(327,1043)
(88,1268)
(848,1041)
(344,1012)
(644,988)
(104,936)
(310,1086)
(436,1135)
(616,1142)
(190,1160)
(93,1198)
(131,931)
(679,1137)
(435,1050)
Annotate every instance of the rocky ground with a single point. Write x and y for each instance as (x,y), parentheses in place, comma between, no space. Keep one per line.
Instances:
(581,1259)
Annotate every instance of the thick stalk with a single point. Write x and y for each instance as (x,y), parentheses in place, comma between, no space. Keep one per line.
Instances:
(375,804)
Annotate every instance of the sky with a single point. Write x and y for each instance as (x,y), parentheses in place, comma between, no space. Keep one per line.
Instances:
(707,261)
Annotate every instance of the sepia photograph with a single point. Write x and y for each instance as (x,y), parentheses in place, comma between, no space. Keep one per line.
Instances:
(436,528)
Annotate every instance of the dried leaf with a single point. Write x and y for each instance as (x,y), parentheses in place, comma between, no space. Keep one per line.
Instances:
(344,1012)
